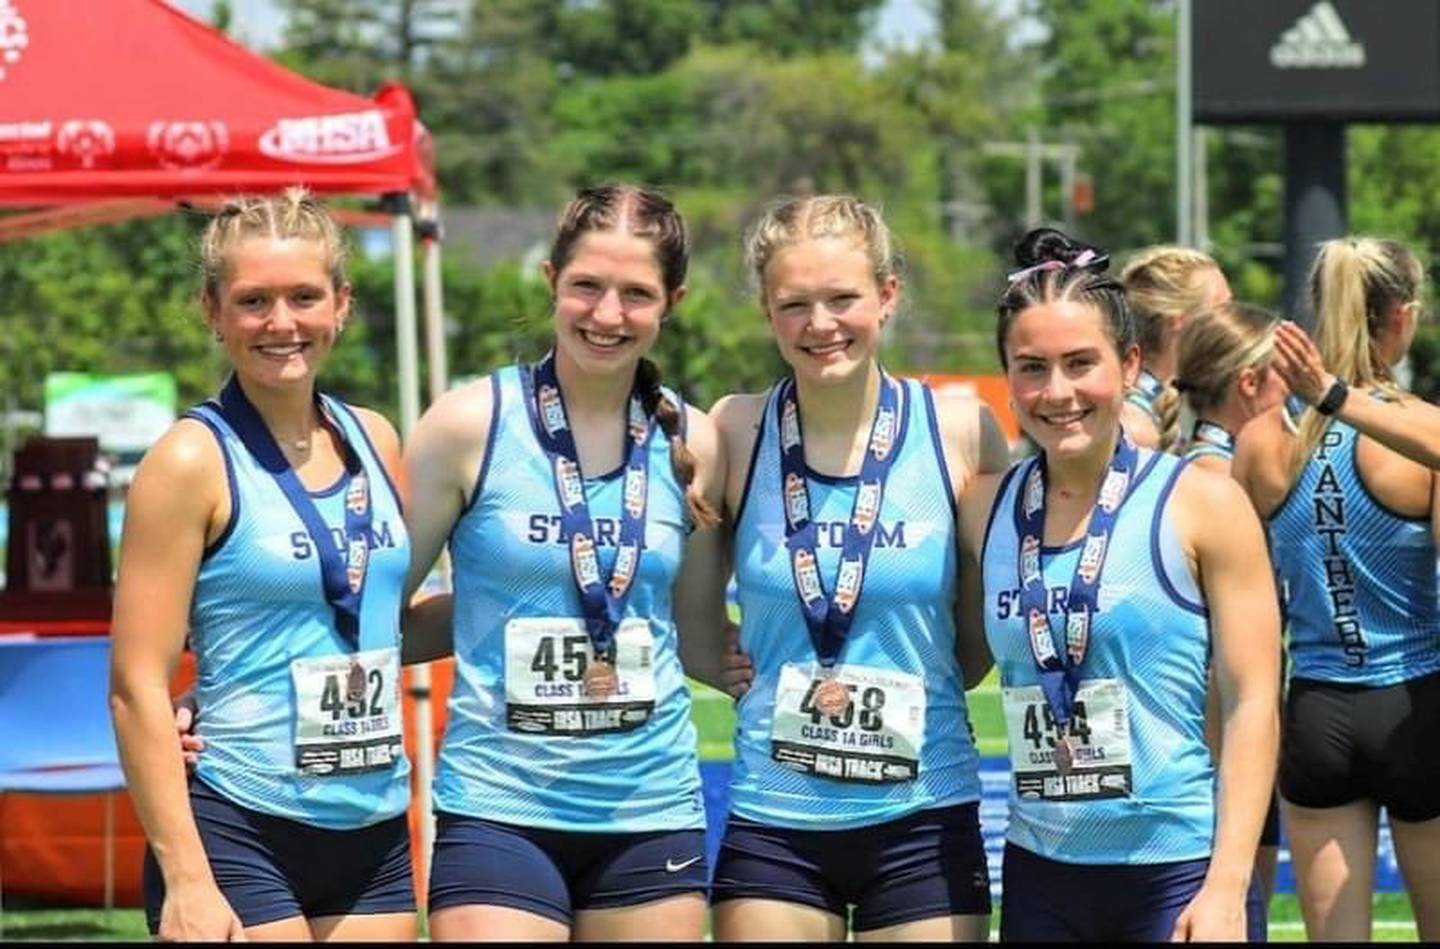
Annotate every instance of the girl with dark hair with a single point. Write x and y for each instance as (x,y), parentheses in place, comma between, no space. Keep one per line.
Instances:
(1353,523)
(1112,574)
(854,793)
(578,498)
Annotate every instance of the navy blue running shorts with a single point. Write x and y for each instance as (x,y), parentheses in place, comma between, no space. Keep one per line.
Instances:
(1343,743)
(922,866)
(1049,901)
(554,873)
(272,868)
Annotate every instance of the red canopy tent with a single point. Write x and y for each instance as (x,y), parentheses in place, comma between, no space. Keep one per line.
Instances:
(134,98)
(113,109)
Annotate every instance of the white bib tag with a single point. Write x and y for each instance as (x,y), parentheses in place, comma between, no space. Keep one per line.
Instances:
(876,738)
(545,663)
(347,713)
(1099,737)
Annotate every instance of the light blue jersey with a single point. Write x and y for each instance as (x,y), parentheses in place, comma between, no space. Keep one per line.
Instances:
(523,744)
(862,767)
(1142,790)
(259,617)
(1360,579)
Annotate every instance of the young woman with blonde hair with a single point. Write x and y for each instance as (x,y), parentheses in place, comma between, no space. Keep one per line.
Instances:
(1353,526)
(855,790)
(1164,286)
(1224,380)
(266,524)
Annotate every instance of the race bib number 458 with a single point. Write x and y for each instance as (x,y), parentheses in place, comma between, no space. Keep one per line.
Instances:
(545,663)
(876,738)
(1098,734)
(347,713)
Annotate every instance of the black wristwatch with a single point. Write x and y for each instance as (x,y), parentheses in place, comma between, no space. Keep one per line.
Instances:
(1333,398)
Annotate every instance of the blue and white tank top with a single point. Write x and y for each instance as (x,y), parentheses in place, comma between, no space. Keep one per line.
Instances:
(522,744)
(1360,579)
(1142,791)
(905,742)
(259,616)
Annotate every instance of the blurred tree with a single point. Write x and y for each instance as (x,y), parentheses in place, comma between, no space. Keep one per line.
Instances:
(619,37)
(792,27)
(360,44)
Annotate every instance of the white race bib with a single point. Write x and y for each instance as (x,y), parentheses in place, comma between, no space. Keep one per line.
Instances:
(876,739)
(347,713)
(545,663)
(1099,736)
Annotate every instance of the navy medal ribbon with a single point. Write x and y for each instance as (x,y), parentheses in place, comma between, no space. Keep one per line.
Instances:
(1060,671)
(1208,433)
(341,577)
(601,599)
(829,617)
(1149,385)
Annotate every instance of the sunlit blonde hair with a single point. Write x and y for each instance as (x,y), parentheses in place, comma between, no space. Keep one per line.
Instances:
(792,220)
(1215,346)
(294,215)
(1353,285)
(1159,282)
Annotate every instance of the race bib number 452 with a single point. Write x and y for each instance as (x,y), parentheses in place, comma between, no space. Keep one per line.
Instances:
(347,713)
(876,738)
(1098,734)
(545,663)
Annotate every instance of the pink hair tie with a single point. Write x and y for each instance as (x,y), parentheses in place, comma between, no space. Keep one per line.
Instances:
(1081,260)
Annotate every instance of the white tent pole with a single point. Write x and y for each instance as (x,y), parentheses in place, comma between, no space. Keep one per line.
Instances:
(409,360)
(434,304)
(439,381)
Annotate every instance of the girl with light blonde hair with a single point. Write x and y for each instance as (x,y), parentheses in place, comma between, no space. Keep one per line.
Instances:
(1353,525)
(1224,379)
(1164,285)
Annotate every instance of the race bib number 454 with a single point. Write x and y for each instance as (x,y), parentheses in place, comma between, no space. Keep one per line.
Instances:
(1098,734)
(347,713)
(545,663)
(876,738)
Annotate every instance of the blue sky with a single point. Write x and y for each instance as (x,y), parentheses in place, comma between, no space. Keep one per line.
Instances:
(258,22)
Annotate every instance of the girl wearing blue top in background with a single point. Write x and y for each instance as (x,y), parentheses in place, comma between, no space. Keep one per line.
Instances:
(267,524)
(855,783)
(1353,517)
(1112,574)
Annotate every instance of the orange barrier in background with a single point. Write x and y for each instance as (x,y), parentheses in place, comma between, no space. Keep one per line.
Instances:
(991,388)
(52,847)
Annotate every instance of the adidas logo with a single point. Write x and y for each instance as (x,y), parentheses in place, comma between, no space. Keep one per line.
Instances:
(1318,40)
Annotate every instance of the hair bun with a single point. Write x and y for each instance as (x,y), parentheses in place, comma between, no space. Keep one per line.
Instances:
(1044,244)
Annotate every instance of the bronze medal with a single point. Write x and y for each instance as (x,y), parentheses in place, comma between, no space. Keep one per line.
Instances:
(355,683)
(600,680)
(1064,756)
(832,698)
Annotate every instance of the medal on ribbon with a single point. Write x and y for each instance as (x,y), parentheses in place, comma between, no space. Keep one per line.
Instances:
(355,683)
(828,618)
(602,599)
(1059,670)
(342,576)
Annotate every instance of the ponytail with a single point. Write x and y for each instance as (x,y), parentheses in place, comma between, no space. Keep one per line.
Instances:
(682,459)
(1353,284)
(1167,418)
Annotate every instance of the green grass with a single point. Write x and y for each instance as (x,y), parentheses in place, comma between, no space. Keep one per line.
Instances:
(27,922)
